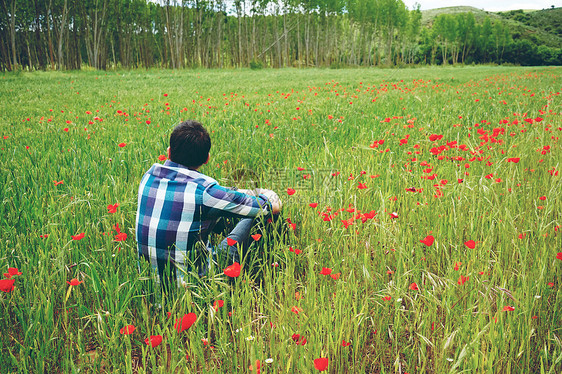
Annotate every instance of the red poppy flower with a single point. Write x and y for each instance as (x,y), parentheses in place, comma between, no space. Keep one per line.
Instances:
(74,282)
(78,237)
(462,280)
(57,183)
(127,330)
(153,341)
(326,271)
(112,208)
(231,242)
(387,298)
(291,191)
(7,285)
(299,339)
(162,157)
(513,159)
(543,198)
(233,270)
(218,304)
(185,322)
(296,309)
(321,363)
(256,237)
(559,256)
(121,145)
(335,276)
(345,344)
(362,186)
(470,244)
(313,205)
(428,240)
(295,250)
(508,308)
(414,286)
(120,237)
(13,271)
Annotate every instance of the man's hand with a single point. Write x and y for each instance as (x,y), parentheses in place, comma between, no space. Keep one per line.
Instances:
(272,197)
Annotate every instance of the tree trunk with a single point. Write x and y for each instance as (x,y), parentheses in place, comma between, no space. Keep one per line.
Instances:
(61,35)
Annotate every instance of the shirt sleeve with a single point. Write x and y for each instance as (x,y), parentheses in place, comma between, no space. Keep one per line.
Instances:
(226,202)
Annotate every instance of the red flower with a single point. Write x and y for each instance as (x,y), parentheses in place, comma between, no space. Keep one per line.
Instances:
(470,244)
(74,282)
(154,340)
(313,205)
(233,270)
(321,363)
(508,308)
(345,344)
(414,286)
(57,183)
(185,322)
(78,237)
(218,304)
(362,186)
(127,330)
(112,208)
(296,309)
(162,157)
(7,285)
(559,256)
(298,339)
(231,242)
(295,250)
(428,240)
(121,145)
(120,237)
(326,271)
(291,191)
(256,237)
(335,276)
(462,280)
(11,272)
(387,298)
(543,198)
(513,159)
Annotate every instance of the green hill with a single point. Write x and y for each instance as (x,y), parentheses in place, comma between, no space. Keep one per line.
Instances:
(541,27)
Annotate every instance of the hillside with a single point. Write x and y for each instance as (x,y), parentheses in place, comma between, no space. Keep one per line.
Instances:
(542,27)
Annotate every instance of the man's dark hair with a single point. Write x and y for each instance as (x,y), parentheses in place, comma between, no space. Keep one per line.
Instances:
(190,144)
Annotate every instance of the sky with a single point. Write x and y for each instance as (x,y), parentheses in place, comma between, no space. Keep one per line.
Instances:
(489,5)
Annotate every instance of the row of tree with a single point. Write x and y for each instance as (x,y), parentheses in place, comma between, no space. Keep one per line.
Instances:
(65,34)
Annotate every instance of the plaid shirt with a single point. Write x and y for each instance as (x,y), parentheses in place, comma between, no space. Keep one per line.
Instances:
(178,207)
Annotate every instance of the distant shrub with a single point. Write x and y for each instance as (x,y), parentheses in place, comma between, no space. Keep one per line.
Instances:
(256,65)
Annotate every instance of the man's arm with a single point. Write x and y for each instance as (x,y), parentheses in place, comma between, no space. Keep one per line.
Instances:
(272,197)
(243,203)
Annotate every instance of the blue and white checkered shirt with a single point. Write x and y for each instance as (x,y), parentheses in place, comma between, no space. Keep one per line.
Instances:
(178,207)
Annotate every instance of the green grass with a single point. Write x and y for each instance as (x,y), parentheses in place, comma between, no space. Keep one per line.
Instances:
(274,122)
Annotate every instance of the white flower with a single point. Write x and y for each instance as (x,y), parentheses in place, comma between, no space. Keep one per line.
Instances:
(250,338)
(269,360)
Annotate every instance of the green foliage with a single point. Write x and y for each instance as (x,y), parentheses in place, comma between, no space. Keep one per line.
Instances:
(115,34)
(256,65)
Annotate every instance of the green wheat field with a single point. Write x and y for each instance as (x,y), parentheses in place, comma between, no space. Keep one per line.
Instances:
(421,224)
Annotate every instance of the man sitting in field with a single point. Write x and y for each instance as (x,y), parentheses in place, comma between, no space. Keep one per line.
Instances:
(178,208)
